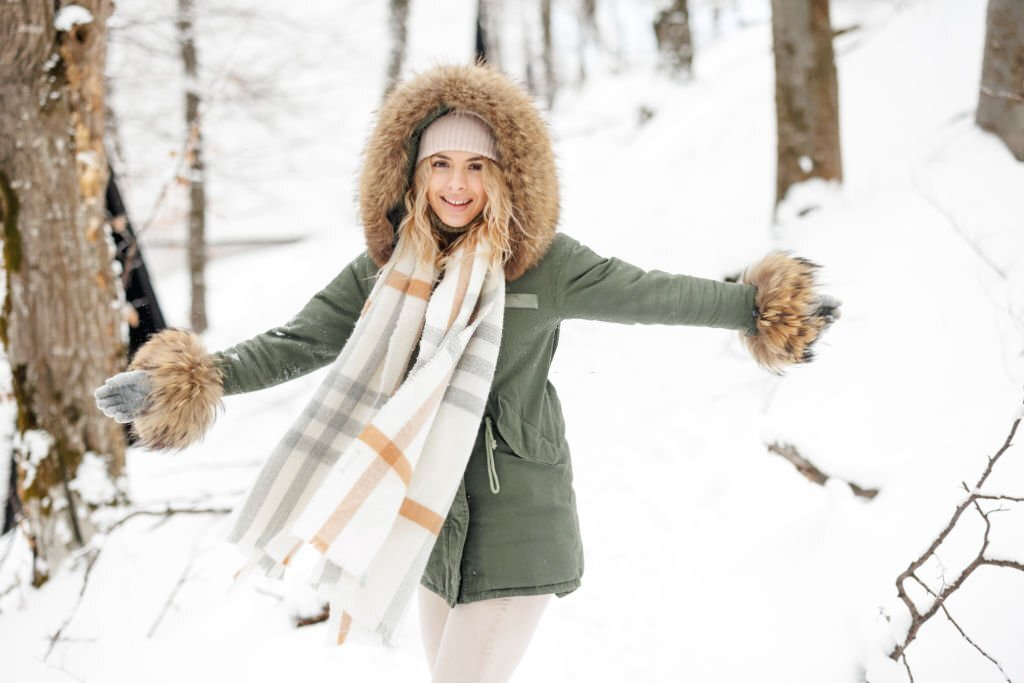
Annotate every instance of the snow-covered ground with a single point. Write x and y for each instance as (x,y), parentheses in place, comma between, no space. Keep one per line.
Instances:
(716,561)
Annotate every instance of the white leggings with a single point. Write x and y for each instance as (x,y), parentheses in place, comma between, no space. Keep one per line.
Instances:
(479,642)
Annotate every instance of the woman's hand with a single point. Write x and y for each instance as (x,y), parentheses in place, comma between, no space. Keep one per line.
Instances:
(124,396)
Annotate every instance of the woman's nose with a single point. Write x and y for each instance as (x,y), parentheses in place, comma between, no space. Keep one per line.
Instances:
(457,180)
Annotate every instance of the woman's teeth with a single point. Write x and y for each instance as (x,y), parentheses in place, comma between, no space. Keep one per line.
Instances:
(457,203)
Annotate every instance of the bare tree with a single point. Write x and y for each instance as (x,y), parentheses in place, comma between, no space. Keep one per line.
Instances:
(672,31)
(194,173)
(61,324)
(398,22)
(806,94)
(1001,97)
(550,79)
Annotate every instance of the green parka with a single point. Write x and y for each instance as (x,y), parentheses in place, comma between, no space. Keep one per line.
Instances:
(513,532)
(513,528)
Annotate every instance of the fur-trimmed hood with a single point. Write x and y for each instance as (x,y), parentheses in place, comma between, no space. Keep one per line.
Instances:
(524,150)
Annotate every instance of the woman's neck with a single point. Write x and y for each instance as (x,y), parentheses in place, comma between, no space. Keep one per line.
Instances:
(446,234)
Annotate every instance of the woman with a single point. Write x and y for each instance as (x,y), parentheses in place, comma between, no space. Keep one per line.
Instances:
(459,201)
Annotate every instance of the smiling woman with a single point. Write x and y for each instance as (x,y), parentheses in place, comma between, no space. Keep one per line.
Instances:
(435,452)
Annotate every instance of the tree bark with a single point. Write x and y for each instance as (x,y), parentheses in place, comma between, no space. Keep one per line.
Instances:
(806,94)
(61,323)
(550,79)
(398,22)
(1001,97)
(195,172)
(672,31)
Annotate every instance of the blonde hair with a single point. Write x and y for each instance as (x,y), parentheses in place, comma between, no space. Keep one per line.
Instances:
(494,222)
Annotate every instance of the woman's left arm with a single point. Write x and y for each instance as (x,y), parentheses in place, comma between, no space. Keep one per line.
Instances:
(776,306)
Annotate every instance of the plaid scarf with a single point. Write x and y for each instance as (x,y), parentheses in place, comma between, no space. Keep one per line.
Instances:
(367,473)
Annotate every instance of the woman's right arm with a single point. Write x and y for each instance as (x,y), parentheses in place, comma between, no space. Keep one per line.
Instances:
(175,398)
(310,340)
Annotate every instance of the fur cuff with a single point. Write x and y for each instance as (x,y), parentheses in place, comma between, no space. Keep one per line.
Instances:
(187,390)
(788,323)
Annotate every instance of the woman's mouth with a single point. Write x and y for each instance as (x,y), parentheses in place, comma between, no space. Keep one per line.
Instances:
(456,204)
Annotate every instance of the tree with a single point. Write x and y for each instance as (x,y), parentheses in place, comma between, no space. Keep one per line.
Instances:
(398,23)
(194,175)
(806,94)
(1001,97)
(61,325)
(672,31)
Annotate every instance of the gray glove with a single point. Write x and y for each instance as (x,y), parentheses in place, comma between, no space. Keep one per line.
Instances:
(829,308)
(124,396)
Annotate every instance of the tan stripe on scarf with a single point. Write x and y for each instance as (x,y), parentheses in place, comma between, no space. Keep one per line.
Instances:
(392,454)
(422,515)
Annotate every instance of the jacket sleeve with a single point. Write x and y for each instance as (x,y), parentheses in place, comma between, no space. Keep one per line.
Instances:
(310,340)
(593,287)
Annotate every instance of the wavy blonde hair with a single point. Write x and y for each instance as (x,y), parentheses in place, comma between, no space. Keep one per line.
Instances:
(494,223)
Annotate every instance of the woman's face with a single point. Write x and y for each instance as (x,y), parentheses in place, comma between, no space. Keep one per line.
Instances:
(456,188)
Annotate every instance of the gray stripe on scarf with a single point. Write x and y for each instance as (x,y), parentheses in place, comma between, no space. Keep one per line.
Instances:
(461,398)
(476,366)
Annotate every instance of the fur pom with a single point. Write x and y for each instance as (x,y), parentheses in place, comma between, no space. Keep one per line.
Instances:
(787,322)
(187,390)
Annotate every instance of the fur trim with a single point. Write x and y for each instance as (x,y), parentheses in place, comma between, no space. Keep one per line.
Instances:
(524,151)
(787,324)
(187,390)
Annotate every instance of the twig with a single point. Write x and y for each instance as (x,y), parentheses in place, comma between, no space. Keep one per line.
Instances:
(811,471)
(167,512)
(918,618)
(91,555)
(174,592)
(315,619)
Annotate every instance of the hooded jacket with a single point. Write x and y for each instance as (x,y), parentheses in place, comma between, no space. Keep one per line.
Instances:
(513,527)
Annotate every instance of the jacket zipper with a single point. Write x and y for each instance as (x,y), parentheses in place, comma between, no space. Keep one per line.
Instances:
(489,445)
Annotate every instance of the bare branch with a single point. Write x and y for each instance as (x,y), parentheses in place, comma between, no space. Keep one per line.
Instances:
(918,617)
(811,471)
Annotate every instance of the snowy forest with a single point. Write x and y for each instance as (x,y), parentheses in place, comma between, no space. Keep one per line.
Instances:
(856,519)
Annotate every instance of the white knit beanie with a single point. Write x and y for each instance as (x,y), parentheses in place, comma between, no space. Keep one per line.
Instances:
(458,131)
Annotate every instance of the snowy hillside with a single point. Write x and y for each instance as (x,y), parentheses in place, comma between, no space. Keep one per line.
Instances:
(715,561)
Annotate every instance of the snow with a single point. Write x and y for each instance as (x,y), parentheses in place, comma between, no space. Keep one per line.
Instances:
(92,482)
(70,16)
(714,560)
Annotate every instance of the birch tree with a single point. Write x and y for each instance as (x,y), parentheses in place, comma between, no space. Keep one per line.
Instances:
(61,323)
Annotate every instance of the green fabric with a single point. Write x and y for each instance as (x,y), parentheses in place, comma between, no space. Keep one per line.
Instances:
(525,539)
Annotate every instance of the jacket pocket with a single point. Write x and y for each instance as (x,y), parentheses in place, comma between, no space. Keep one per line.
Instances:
(525,440)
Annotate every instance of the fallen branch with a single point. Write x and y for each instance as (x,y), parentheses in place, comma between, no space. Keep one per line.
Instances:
(939,598)
(811,471)
(315,619)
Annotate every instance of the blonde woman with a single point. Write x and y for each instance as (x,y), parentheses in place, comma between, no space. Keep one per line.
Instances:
(435,452)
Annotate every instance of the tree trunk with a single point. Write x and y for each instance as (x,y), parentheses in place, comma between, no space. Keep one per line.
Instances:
(195,178)
(398,22)
(550,80)
(672,31)
(806,94)
(1001,100)
(61,323)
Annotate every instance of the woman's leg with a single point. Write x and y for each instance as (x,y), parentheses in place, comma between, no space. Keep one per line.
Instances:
(434,613)
(484,641)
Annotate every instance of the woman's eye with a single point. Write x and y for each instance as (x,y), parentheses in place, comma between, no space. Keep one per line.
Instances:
(476,167)
(439,164)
